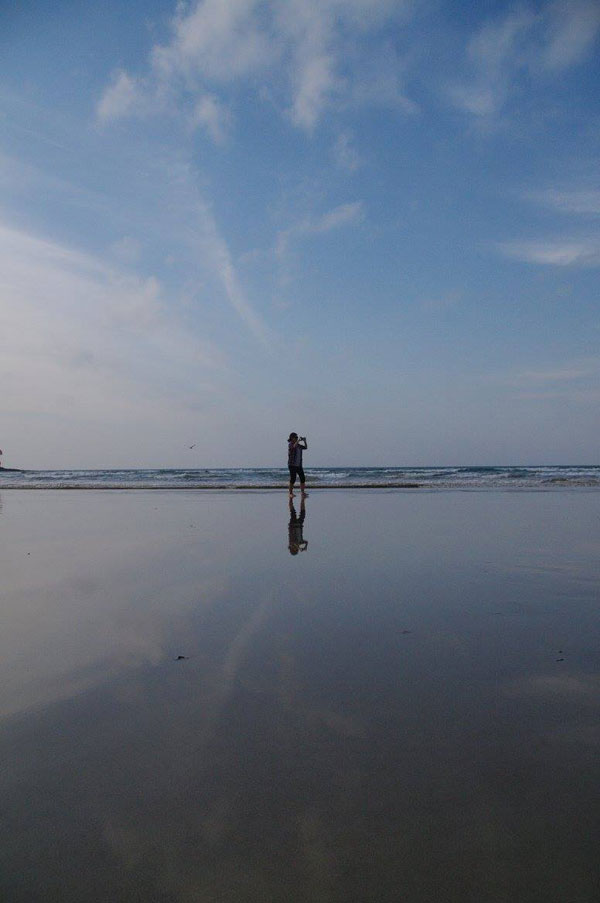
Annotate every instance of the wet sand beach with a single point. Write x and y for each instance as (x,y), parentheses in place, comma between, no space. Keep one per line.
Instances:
(405,709)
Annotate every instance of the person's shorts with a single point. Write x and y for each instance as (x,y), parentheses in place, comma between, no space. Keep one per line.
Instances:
(296,471)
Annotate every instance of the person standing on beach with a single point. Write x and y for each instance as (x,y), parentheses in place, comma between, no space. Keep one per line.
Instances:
(296,445)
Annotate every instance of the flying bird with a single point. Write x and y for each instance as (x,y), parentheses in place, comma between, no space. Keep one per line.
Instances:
(192,446)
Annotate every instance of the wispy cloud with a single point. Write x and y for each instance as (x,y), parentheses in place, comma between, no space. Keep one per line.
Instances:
(571,382)
(339,216)
(203,238)
(583,252)
(343,215)
(574,372)
(345,152)
(170,212)
(78,332)
(217,251)
(524,41)
(578,247)
(582,201)
(570,31)
(494,56)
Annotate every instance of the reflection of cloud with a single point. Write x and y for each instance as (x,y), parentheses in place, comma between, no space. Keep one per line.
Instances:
(586,733)
(557,686)
(91,605)
(239,645)
(338,723)
(318,852)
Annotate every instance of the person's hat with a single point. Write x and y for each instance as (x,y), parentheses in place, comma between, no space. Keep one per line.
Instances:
(292,436)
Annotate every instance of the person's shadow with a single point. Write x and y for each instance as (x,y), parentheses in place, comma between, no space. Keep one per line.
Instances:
(296,541)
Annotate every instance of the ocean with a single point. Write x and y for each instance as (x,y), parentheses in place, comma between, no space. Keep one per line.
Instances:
(431,478)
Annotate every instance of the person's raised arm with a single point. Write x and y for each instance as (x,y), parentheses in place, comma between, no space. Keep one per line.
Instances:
(302,442)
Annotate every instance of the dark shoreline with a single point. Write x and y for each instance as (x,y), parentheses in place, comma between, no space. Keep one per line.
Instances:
(230,488)
(248,487)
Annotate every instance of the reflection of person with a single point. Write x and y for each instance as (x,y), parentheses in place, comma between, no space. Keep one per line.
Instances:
(296,541)
(296,446)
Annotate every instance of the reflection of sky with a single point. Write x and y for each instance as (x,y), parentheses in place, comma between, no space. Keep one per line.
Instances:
(368,713)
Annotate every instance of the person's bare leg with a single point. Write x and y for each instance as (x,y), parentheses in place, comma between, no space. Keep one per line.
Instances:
(303,489)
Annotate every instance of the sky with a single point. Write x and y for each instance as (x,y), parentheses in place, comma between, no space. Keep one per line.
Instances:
(374,222)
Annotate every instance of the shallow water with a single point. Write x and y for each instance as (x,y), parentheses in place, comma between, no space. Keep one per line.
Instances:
(405,709)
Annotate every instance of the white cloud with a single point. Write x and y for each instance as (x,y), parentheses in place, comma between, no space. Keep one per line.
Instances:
(213,116)
(560,252)
(221,41)
(122,98)
(303,47)
(328,69)
(315,84)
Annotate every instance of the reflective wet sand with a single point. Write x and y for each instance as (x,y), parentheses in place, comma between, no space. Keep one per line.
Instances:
(389,696)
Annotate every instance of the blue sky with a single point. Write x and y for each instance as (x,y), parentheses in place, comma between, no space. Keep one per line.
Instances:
(373,222)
